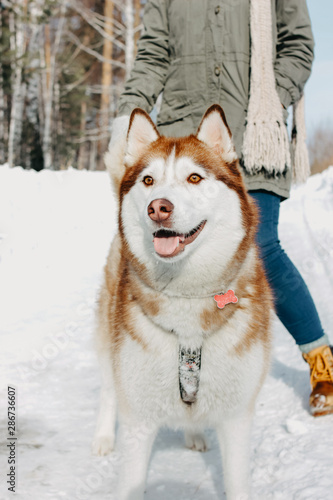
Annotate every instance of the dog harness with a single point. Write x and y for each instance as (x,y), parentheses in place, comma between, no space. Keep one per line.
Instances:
(189,374)
(190,361)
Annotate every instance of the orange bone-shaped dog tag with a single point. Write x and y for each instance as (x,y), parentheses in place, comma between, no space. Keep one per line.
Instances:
(225,298)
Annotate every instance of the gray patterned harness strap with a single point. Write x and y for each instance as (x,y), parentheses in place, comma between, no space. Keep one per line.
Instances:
(189,374)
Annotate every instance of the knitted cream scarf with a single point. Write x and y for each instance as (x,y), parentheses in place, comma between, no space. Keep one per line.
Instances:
(266,143)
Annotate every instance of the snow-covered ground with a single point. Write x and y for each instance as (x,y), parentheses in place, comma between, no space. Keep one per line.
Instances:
(55,230)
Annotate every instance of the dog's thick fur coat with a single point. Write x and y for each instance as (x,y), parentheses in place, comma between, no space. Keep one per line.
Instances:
(186,233)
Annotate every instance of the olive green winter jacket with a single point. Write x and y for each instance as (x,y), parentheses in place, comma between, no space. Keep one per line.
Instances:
(198,53)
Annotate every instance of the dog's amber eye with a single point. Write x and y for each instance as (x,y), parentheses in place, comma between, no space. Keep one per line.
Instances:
(194,178)
(148,180)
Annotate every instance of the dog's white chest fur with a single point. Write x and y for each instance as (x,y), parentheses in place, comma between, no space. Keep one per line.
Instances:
(224,386)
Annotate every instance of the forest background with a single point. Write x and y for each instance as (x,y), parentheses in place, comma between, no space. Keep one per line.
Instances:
(63,65)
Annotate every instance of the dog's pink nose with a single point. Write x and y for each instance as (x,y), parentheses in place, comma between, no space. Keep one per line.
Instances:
(160,210)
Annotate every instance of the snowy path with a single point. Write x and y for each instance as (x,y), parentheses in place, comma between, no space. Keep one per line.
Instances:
(55,229)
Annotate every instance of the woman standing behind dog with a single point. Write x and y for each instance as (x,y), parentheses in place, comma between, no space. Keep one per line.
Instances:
(253,58)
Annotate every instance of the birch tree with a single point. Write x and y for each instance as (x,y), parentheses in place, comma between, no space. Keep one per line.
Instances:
(129,37)
(137,23)
(2,106)
(106,79)
(18,45)
(51,52)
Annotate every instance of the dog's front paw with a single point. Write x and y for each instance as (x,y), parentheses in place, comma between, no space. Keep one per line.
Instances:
(102,445)
(196,441)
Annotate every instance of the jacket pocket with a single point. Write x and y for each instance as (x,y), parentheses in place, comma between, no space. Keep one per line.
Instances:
(175,106)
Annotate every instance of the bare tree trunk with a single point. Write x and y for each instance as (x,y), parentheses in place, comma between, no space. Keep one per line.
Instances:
(18,44)
(48,98)
(2,108)
(92,156)
(50,61)
(130,45)
(57,125)
(137,22)
(106,82)
(42,96)
(82,161)
(47,50)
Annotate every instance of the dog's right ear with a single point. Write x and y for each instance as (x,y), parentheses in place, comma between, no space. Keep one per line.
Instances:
(114,157)
(130,136)
(141,133)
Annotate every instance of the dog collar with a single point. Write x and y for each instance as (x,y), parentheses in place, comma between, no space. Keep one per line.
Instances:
(220,298)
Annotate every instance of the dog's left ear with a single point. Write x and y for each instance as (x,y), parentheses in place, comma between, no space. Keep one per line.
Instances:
(141,133)
(214,131)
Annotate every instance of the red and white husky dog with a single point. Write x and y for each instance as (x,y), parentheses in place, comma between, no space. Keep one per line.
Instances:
(184,311)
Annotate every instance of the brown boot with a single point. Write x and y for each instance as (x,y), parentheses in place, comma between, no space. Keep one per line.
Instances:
(321,378)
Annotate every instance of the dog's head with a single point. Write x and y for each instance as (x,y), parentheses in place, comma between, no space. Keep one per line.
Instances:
(183,197)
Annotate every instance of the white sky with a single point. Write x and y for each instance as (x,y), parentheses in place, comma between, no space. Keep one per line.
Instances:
(319,88)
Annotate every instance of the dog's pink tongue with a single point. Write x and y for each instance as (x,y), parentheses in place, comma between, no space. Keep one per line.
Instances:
(166,246)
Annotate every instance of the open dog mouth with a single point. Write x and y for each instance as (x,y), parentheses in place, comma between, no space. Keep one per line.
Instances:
(169,243)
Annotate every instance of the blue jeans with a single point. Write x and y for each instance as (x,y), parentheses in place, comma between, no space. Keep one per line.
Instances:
(293,303)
